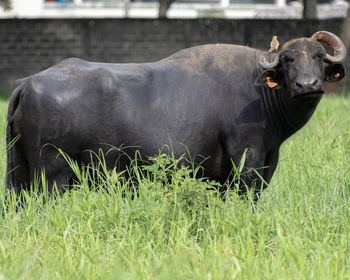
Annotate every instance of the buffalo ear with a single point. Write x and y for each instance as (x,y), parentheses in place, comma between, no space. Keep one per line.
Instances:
(334,72)
(268,79)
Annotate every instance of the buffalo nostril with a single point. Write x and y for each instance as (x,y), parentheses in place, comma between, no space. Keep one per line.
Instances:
(315,82)
(298,85)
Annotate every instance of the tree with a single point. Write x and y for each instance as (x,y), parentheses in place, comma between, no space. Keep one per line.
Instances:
(5,4)
(164,6)
(345,35)
(310,11)
(126,7)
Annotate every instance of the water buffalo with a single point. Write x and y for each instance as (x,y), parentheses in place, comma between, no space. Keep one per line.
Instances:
(215,100)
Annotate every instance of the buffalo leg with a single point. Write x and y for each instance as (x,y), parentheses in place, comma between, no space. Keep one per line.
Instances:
(18,178)
(55,169)
(271,164)
(257,172)
(269,168)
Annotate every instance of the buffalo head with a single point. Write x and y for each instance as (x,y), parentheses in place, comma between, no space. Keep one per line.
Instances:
(303,65)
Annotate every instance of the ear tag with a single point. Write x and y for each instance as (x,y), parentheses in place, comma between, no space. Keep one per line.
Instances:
(337,75)
(270,83)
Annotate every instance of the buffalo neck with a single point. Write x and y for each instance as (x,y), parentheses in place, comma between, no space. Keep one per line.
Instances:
(284,114)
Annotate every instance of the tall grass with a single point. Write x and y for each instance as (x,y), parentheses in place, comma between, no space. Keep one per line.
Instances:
(178,229)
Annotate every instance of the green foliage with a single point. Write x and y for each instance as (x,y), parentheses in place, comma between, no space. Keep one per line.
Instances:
(4,94)
(161,223)
(6,4)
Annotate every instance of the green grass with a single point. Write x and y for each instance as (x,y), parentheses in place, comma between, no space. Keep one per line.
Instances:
(4,94)
(179,230)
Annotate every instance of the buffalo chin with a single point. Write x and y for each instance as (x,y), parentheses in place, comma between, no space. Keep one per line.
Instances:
(312,94)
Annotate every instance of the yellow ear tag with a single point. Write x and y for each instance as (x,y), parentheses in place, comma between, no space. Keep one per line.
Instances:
(337,75)
(270,83)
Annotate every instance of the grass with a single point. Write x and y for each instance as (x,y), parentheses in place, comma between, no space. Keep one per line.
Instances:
(4,94)
(179,230)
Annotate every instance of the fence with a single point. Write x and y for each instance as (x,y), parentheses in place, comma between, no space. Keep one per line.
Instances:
(31,45)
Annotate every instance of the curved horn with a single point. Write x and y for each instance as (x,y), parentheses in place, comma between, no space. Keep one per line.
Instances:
(334,42)
(266,65)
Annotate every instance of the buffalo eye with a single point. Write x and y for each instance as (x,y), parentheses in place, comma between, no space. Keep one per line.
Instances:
(286,58)
(318,55)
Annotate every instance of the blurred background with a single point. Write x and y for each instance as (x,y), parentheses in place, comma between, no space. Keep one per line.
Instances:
(35,34)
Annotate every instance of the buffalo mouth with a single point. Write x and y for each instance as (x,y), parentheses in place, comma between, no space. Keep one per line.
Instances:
(312,94)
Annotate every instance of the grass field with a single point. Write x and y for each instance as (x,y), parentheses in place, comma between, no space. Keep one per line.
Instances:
(300,230)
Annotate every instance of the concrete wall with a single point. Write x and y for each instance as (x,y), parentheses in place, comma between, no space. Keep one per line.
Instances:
(31,45)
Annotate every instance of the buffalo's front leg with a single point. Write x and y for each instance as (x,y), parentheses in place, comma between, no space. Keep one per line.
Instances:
(258,172)
(255,171)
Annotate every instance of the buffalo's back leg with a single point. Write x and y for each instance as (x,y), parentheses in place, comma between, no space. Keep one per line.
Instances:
(55,168)
(18,177)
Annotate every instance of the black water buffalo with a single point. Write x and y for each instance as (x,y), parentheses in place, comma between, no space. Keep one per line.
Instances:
(215,100)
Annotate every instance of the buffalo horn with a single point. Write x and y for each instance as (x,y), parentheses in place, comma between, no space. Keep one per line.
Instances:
(334,42)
